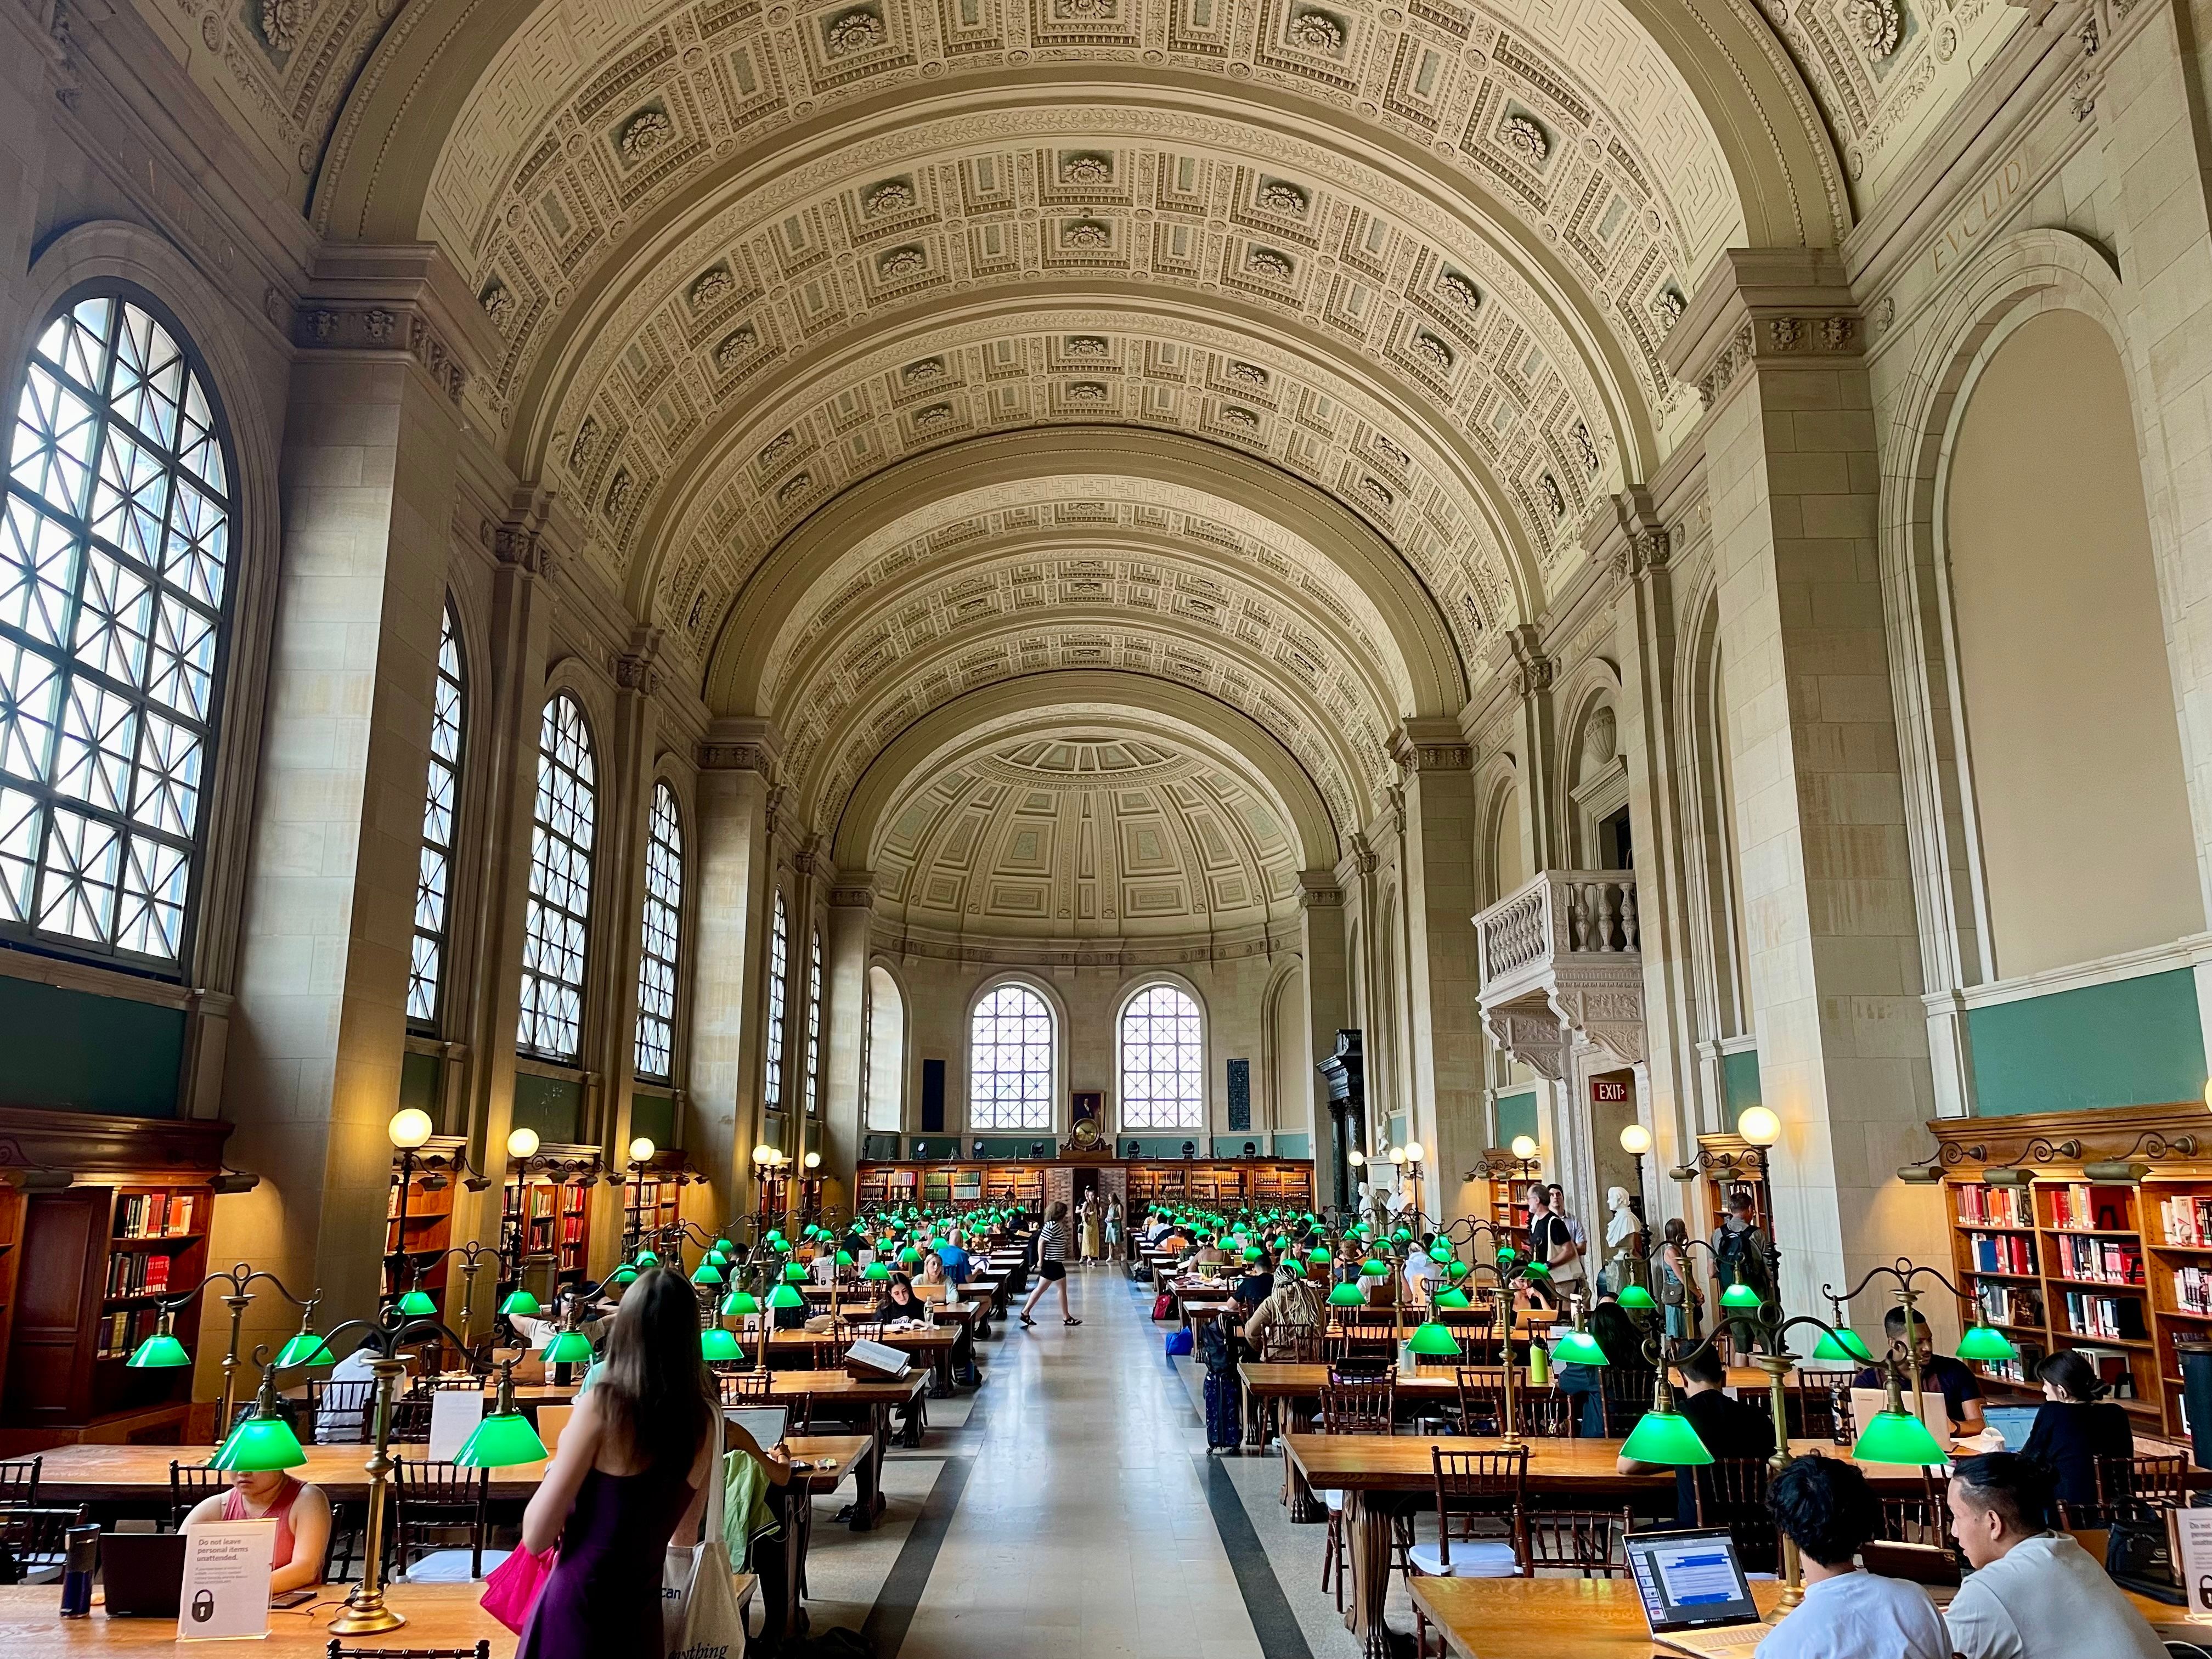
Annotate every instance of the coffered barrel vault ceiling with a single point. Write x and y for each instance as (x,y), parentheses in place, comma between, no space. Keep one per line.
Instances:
(909,361)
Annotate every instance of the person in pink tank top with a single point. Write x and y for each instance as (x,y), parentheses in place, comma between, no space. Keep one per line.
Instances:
(302,1514)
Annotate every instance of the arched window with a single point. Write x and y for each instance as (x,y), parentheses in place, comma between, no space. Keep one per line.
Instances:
(426,967)
(1010,1061)
(558,921)
(656,960)
(884,1046)
(779,967)
(1162,1062)
(814,1021)
(114,594)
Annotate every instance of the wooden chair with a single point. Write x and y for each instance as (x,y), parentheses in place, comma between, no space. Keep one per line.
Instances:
(33,1542)
(1626,1396)
(741,1387)
(339,1651)
(188,1484)
(1924,1518)
(1732,1493)
(1482,1505)
(19,1483)
(2131,1485)
(339,1414)
(410,1417)
(1293,1345)
(1592,1542)
(1351,1406)
(1546,1413)
(1481,1400)
(440,1506)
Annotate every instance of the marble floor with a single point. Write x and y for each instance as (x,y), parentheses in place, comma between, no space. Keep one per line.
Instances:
(1067,1508)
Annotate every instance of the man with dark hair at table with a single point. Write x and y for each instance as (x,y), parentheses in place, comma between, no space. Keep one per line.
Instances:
(1825,1506)
(1726,1427)
(1962,1395)
(2033,1594)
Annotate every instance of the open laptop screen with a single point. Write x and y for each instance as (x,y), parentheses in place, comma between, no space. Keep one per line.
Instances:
(1689,1579)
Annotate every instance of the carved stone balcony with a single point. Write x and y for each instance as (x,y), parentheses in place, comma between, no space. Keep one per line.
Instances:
(1562,964)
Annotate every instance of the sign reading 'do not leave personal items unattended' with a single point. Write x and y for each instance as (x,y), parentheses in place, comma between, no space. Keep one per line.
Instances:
(225,1588)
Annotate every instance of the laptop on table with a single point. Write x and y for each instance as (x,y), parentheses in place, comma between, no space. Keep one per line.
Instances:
(1696,1598)
(143,1573)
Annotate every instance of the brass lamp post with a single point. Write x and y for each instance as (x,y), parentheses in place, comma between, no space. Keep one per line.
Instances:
(163,1350)
(1492,1253)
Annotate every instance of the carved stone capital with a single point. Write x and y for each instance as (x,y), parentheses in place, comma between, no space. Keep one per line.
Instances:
(1532,670)
(1432,745)
(1782,306)
(736,757)
(341,325)
(1317,890)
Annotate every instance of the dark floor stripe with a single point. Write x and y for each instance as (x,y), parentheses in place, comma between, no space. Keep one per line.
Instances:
(884,1628)
(1281,1635)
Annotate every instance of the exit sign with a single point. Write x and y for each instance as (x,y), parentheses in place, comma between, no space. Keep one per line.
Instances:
(1608,1091)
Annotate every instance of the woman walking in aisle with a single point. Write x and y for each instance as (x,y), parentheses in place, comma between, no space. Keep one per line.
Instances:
(1052,1264)
(1091,1248)
(630,1474)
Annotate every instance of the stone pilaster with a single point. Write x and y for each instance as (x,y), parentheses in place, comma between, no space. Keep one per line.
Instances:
(1328,1005)
(844,1105)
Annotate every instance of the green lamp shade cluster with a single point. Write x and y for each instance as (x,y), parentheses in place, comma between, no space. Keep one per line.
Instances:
(1635,1296)
(1665,1437)
(1434,1341)
(785,1296)
(1579,1348)
(715,1343)
(569,1348)
(909,1257)
(500,1441)
(1346,1295)
(1897,1437)
(159,1351)
(521,1302)
(1403,1235)
(1460,1269)
(1845,1343)
(1986,1342)
(1740,1295)
(305,1348)
(259,1443)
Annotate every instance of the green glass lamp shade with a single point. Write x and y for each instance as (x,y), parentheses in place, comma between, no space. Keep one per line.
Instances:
(844,1258)
(1460,1269)
(1346,1295)
(500,1441)
(1319,1258)
(738,1304)
(161,1352)
(1579,1348)
(940,1244)
(707,1272)
(1434,1341)
(1740,1295)
(1374,1267)
(775,1235)
(1454,1298)
(1507,1253)
(1536,1270)
(647,1259)
(569,1348)
(521,1302)
(1665,1437)
(625,1276)
(259,1443)
(1403,1235)
(1635,1296)
(785,1296)
(909,1257)
(1845,1343)
(1897,1437)
(1294,1270)
(718,1257)
(305,1348)
(1360,1231)
(875,1270)
(1986,1342)
(728,1248)
(1254,1253)
(415,1304)
(715,1343)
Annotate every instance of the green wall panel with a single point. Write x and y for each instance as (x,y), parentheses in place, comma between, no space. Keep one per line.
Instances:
(652,1117)
(2132,1043)
(71,1051)
(1293,1145)
(1740,1082)
(1516,1115)
(418,1082)
(554,1106)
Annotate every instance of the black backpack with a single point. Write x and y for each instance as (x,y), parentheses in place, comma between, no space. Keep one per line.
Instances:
(1739,1260)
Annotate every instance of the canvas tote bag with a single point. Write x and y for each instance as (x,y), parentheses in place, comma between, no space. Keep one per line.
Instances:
(699,1613)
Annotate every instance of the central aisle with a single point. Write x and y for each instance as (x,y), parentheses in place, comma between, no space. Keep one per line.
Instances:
(1083,1529)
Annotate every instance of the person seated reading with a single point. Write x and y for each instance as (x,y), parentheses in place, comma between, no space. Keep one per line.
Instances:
(898,1300)
(1825,1506)
(1962,1395)
(1728,1427)
(2076,1426)
(301,1512)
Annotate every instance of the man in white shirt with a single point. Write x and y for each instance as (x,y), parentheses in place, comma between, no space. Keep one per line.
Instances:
(1825,1506)
(2033,1594)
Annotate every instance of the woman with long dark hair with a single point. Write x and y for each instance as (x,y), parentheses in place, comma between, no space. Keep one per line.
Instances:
(1052,1265)
(2076,1427)
(630,1473)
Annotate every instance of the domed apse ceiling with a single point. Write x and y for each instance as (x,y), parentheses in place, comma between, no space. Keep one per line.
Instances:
(1085,836)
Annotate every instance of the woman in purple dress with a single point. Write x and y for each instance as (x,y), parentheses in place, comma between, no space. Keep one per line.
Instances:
(630,1473)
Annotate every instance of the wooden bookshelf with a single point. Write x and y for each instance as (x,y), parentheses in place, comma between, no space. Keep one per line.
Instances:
(2115,1269)
(1226,1183)
(84,1269)
(545,1214)
(421,1229)
(1732,1165)
(652,1203)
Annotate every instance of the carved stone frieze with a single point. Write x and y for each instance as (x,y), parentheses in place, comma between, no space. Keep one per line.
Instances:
(736,757)
(335,326)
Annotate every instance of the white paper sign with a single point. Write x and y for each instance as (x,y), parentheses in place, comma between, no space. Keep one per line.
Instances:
(2192,1549)
(226,1587)
(454,1414)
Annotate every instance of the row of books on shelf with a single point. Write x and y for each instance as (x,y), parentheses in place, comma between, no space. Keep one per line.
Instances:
(123,1330)
(155,1215)
(2113,1369)
(1996,1207)
(2117,1316)
(2186,1220)
(137,1272)
(2010,1304)
(2108,1260)
(2079,1205)
(2192,1290)
(2002,1253)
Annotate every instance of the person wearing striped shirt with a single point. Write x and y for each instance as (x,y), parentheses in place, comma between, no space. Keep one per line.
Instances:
(1052,1265)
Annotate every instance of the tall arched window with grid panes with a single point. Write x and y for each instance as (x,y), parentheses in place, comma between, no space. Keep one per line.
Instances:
(1163,1060)
(441,798)
(115,586)
(656,958)
(557,920)
(1010,1060)
(779,969)
(814,1021)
